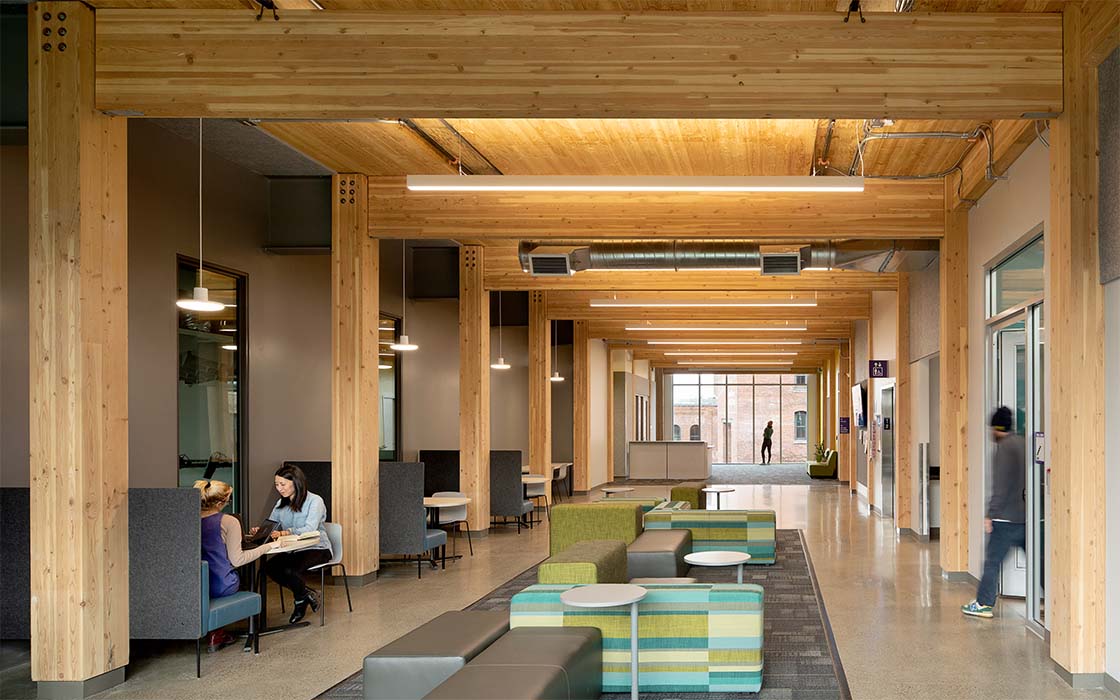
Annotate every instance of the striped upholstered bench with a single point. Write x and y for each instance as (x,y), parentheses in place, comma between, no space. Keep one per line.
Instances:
(750,531)
(693,638)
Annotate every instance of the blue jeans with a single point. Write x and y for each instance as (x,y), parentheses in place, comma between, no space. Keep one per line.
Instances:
(1004,536)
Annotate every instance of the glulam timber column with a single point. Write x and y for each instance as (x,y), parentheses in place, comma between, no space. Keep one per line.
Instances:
(474,387)
(903,471)
(355,400)
(954,386)
(540,389)
(78,297)
(581,407)
(844,410)
(1076,597)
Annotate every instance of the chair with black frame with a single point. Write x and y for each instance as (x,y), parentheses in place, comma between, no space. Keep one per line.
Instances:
(560,475)
(403,523)
(219,612)
(454,516)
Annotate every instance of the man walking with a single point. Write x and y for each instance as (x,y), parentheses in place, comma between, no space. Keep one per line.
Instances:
(767,445)
(1006,518)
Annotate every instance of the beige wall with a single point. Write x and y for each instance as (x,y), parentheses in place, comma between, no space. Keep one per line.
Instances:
(599,361)
(14,340)
(1003,216)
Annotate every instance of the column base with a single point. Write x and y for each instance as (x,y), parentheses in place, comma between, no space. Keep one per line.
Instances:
(76,690)
(480,533)
(1081,681)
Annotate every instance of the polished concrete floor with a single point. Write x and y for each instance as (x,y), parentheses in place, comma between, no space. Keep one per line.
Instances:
(896,621)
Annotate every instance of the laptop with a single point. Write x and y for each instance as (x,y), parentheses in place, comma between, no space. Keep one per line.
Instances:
(262,535)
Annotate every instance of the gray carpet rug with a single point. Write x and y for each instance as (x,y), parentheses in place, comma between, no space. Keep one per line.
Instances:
(801,662)
(745,474)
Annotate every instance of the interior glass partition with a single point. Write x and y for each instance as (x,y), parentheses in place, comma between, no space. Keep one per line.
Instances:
(388,372)
(211,369)
(730,411)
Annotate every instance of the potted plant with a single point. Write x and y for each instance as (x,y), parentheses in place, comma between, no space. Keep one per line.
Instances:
(822,452)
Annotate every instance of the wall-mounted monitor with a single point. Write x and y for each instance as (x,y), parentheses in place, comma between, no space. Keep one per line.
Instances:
(859,405)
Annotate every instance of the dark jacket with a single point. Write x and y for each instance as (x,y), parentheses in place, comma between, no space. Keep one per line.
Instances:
(1009,481)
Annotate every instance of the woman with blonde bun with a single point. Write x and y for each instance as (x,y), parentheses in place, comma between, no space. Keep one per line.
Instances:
(221,548)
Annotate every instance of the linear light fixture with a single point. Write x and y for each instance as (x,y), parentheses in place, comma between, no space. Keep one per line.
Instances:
(738,363)
(723,342)
(732,329)
(636,183)
(728,354)
(628,304)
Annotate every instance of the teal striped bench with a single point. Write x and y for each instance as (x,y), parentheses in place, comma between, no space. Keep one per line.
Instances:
(750,531)
(693,638)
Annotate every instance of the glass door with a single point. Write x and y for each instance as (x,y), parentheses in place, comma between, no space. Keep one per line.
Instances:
(1009,388)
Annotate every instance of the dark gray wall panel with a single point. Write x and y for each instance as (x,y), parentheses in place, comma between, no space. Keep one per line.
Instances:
(15,562)
(318,482)
(925,312)
(1109,73)
(164,559)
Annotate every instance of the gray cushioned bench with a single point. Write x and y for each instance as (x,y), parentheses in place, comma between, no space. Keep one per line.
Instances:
(410,667)
(532,663)
(659,554)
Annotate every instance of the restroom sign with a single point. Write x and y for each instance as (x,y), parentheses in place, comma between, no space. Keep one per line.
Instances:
(845,425)
(878,369)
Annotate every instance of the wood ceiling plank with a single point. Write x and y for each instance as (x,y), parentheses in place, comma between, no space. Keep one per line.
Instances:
(563,64)
(885,209)
(372,148)
(644,146)
(870,6)
(830,306)
(907,157)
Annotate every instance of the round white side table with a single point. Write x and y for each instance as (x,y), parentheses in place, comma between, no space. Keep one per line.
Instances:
(719,559)
(609,595)
(717,490)
(608,490)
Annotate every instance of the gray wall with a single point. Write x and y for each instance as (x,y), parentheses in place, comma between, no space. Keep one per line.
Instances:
(288,313)
(925,312)
(1109,200)
(562,419)
(861,348)
(14,341)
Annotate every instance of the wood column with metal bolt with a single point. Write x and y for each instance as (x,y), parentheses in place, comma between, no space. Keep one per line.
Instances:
(474,387)
(78,297)
(540,388)
(355,388)
(904,473)
(581,407)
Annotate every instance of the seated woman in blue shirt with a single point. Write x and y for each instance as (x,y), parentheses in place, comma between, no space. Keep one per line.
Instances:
(222,548)
(298,511)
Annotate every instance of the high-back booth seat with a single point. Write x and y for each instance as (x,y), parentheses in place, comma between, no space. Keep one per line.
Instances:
(825,469)
(441,470)
(693,638)
(401,516)
(219,612)
(749,531)
(648,554)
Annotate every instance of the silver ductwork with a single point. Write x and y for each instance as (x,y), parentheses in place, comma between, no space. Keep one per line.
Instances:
(870,255)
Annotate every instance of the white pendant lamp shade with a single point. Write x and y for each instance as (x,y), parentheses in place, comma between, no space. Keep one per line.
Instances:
(556,377)
(500,364)
(403,345)
(200,301)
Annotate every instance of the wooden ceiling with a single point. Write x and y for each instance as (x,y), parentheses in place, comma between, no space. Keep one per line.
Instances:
(871,6)
(625,146)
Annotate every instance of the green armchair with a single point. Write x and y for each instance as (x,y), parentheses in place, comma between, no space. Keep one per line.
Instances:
(825,469)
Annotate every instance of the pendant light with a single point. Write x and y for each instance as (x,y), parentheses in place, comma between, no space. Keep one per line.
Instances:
(200,299)
(555,347)
(402,344)
(501,363)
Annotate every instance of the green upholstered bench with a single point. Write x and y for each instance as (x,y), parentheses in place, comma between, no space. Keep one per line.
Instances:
(689,491)
(570,523)
(694,638)
(750,531)
(825,469)
(593,561)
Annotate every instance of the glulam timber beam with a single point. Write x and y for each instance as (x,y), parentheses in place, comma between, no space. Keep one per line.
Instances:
(503,271)
(355,387)
(361,65)
(887,209)
(78,267)
(474,387)
(1076,315)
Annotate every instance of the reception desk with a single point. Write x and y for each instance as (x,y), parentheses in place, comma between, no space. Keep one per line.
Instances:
(670,460)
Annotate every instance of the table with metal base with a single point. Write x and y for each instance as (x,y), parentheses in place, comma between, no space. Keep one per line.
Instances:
(259,575)
(609,595)
(719,559)
(717,490)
